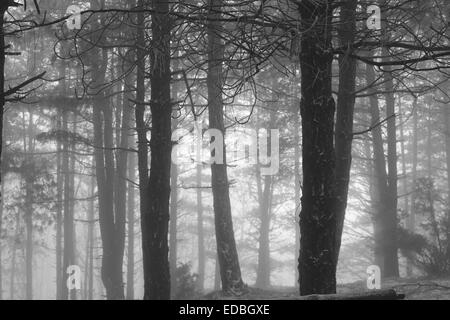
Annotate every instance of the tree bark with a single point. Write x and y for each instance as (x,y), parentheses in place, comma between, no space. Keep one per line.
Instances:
(2,186)
(230,271)
(318,219)
(155,222)
(2,110)
(344,114)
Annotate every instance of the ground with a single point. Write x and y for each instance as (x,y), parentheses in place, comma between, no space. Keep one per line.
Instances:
(413,289)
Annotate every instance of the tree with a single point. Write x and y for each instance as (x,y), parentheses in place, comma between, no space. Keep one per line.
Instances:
(230,271)
(318,219)
(155,221)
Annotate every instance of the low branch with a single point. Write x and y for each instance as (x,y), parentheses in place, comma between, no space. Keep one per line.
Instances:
(16,89)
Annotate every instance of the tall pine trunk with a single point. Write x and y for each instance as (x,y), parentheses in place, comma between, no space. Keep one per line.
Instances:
(318,219)
(2,110)
(230,271)
(344,114)
(155,221)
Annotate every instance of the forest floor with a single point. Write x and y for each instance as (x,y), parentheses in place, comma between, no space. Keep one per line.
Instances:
(412,288)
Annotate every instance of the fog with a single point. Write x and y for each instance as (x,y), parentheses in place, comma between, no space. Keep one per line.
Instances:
(206,149)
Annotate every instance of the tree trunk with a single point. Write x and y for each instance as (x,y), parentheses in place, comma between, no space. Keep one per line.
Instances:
(2,186)
(384,230)
(430,189)
(404,180)
(173,227)
(111,218)
(414,154)
(297,185)
(68,254)
(2,106)
(318,219)
(59,212)
(344,114)
(217,281)
(13,258)
(141,126)
(91,240)
(264,195)
(200,232)
(230,271)
(155,222)
(391,255)
(446,116)
(29,180)
(130,227)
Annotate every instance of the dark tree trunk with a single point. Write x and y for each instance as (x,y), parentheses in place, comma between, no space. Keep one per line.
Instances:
(2,186)
(230,271)
(120,188)
(155,222)
(2,105)
(318,218)
(344,114)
